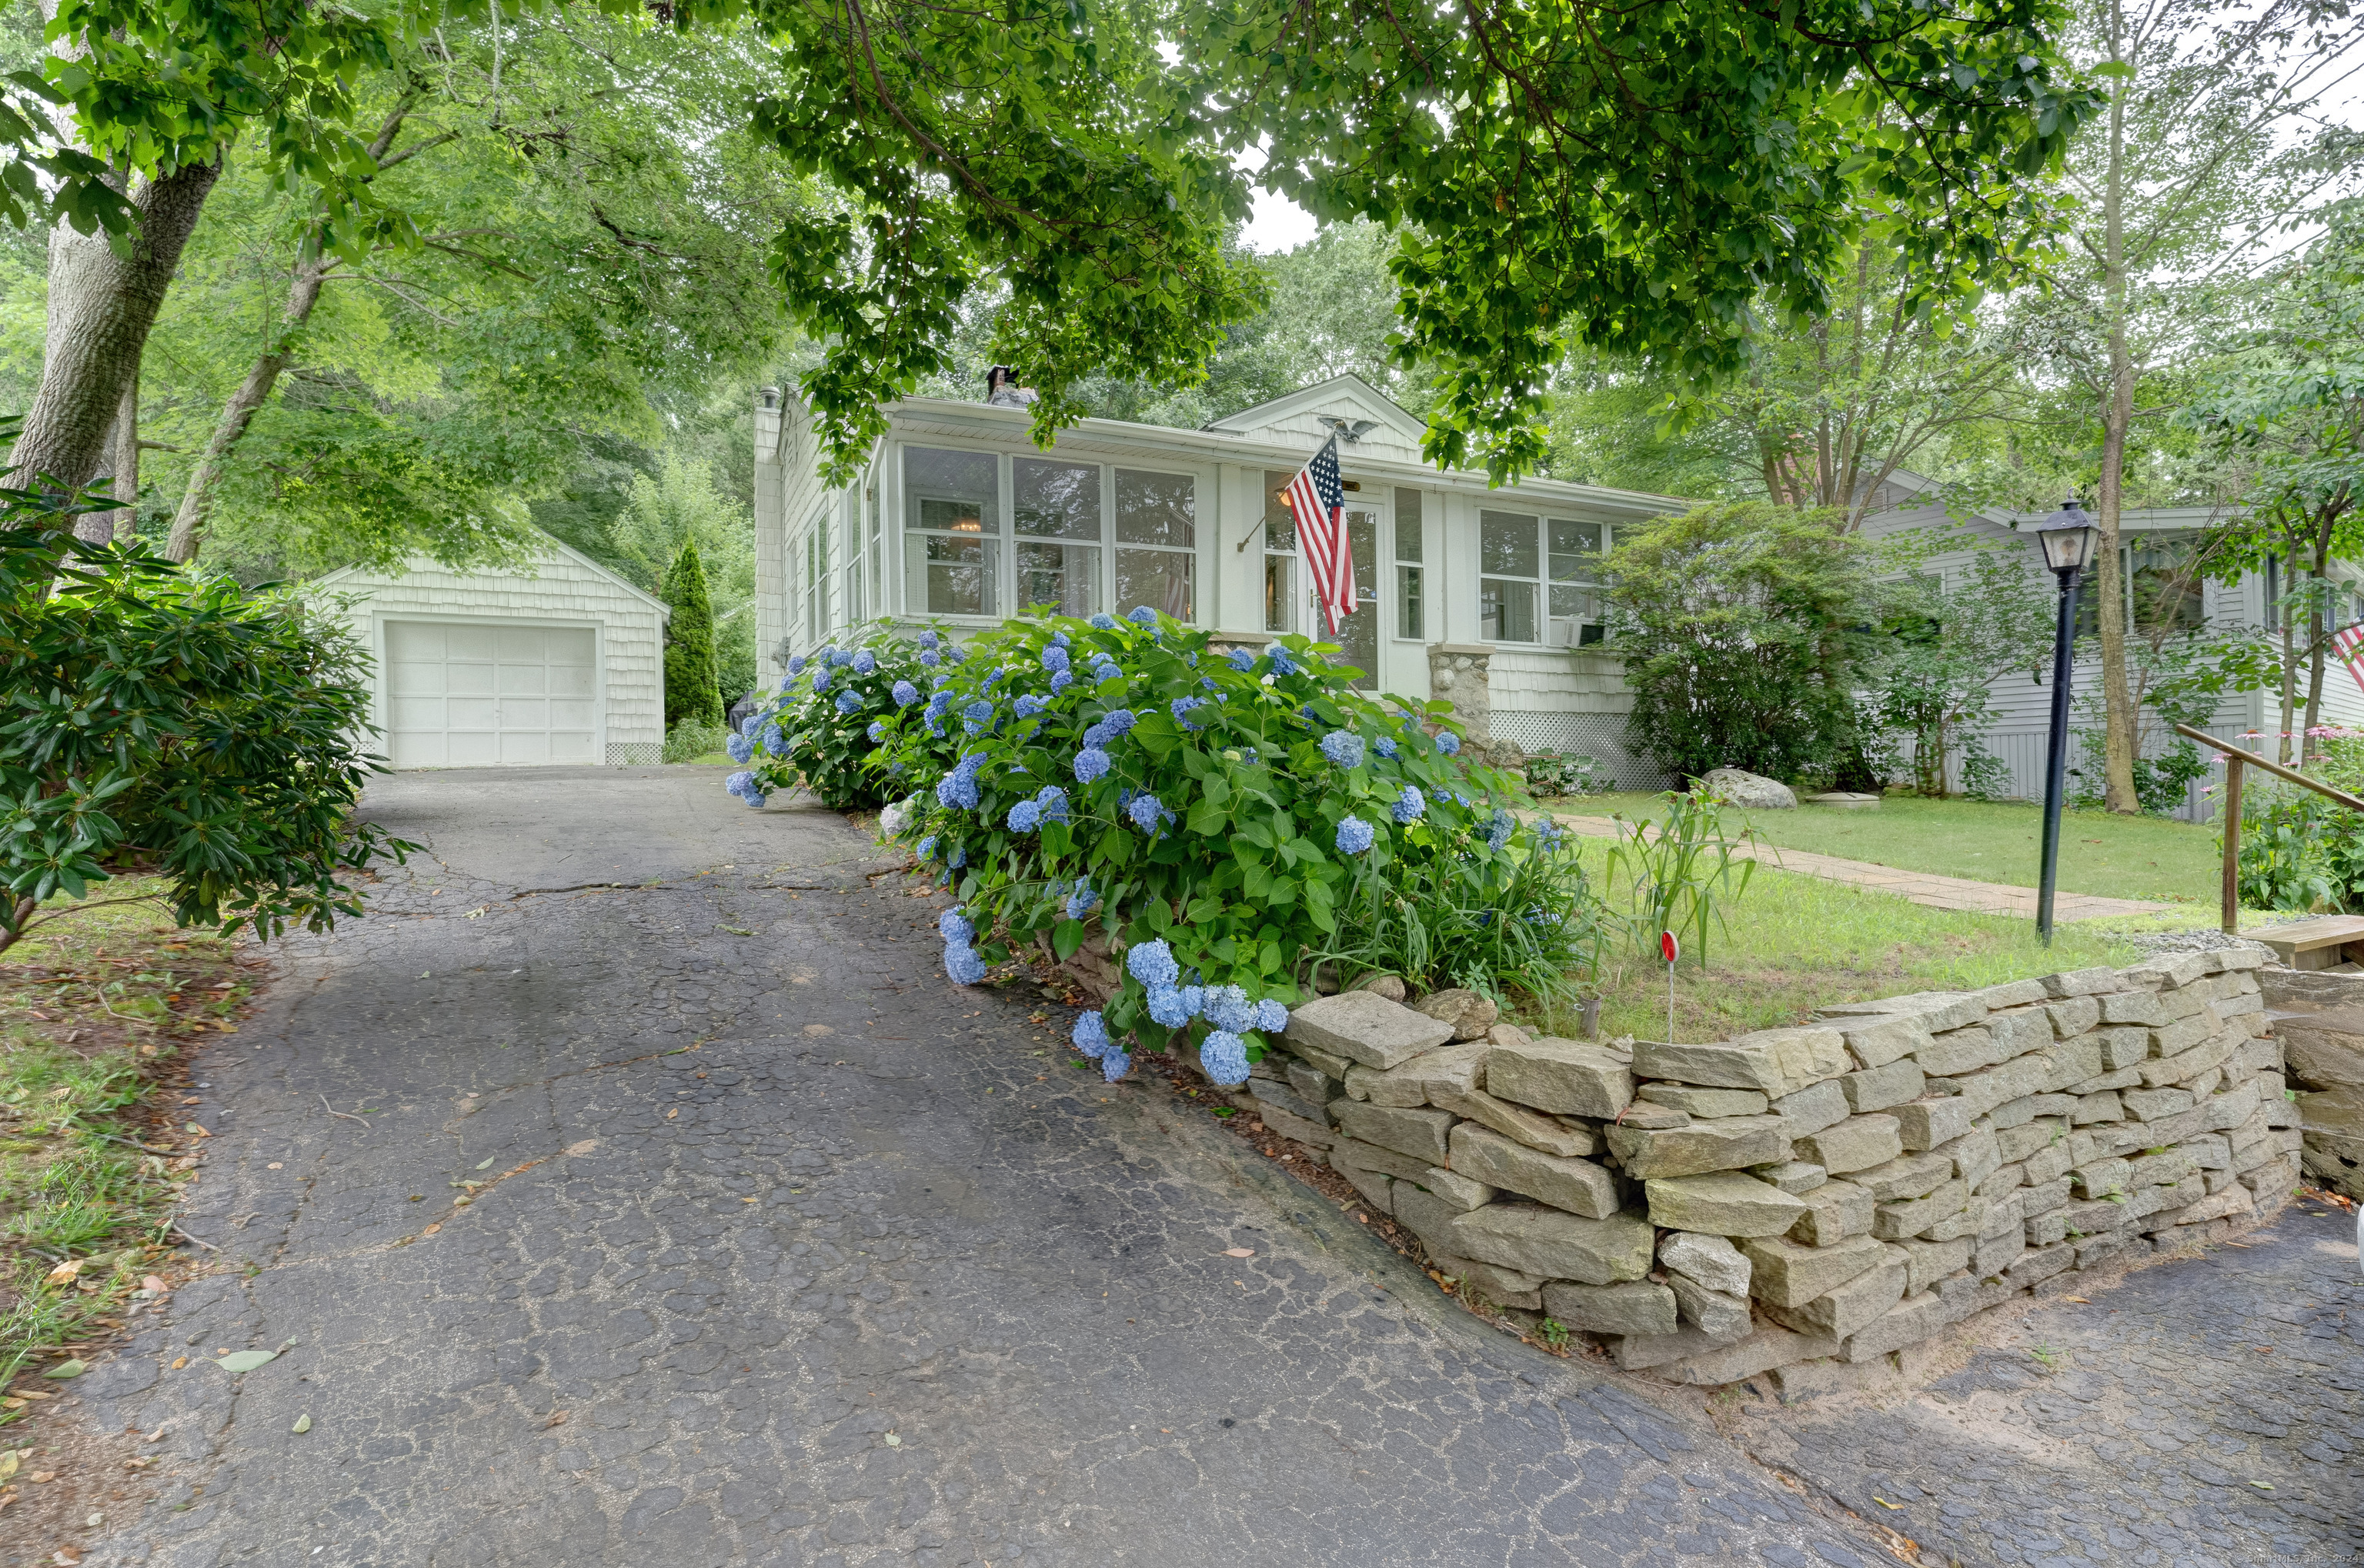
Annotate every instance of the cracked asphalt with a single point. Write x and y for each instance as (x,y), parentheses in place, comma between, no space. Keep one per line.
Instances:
(790,1252)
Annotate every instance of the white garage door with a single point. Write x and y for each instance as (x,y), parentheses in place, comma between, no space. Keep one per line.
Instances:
(461,695)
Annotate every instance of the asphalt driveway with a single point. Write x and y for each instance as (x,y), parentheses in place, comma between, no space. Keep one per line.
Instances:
(786,1250)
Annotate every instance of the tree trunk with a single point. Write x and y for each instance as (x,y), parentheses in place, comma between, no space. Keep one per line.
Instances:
(2289,664)
(196,501)
(102,307)
(2318,637)
(127,460)
(2117,416)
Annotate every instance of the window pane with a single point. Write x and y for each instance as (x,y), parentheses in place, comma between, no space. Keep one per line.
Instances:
(1358,634)
(1156,509)
(1055,500)
(2166,592)
(1064,576)
(1506,545)
(1411,602)
(1279,522)
(1574,603)
(1575,551)
(853,592)
(1158,578)
(951,575)
(951,492)
(1408,524)
(1279,592)
(1506,611)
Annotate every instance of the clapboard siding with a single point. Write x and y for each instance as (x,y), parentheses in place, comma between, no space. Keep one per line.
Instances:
(562,587)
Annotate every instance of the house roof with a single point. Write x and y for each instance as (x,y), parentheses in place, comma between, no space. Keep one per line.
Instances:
(1341,397)
(1928,491)
(552,546)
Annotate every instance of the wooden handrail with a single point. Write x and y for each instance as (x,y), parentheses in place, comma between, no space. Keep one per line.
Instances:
(2252,760)
(2235,759)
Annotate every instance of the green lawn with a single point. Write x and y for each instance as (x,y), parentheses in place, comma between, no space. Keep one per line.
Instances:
(2117,857)
(1792,943)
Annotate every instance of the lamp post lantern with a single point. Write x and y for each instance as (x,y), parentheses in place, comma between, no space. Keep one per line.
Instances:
(2067,540)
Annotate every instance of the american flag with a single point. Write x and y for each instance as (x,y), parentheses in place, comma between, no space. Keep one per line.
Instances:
(1318,502)
(2348,641)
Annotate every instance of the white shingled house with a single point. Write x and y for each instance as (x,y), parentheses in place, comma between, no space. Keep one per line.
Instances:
(1486,597)
(560,662)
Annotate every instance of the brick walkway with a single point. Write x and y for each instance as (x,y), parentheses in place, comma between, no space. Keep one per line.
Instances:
(1921,887)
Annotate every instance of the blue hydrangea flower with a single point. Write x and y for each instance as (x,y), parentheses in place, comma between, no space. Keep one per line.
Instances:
(737,782)
(1385,746)
(1343,746)
(958,790)
(963,965)
(1120,721)
(773,740)
(820,680)
(796,665)
(1104,621)
(1410,805)
(976,716)
(954,926)
(1240,659)
(1090,1035)
(1145,811)
(1182,707)
(1206,682)
(926,639)
(1498,827)
(927,848)
(1194,999)
(1228,1007)
(1141,615)
(1224,1055)
(960,857)
(938,702)
(1025,817)
(865,662)
(878,731)
(1081,902)
(1151,962)
(1448,742)
(749,725)
(1115,1064)
(1030,704)
(1090,763)
(1354,836)
(1248,755)
(998,670)
(1054,658)
(1166,1007)
(1052,801)
(754,795)
(848,701)
(904,692)
(954,653)
(1282,664)
(1271,1017)
(930,658)
(742,750)
(1062,680)
(836,658)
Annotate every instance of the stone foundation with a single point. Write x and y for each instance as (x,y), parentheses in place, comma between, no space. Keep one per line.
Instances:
(2319,1018)
(1840,1191)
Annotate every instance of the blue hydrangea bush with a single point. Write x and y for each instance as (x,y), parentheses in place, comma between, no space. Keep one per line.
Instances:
(1200,827)
(827,722)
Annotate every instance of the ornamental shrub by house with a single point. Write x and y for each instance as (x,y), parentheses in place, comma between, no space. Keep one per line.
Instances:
(825,723)
(1217,822)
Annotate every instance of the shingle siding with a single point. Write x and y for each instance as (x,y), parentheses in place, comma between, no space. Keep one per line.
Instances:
(561,588)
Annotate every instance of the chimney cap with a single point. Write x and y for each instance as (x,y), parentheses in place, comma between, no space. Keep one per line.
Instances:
(770,395)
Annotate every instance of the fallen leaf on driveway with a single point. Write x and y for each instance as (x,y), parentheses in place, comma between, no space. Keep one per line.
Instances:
(303,1424)
(68,1369)
(487,1161)
(196,1132)
(585,1146)
(673,1113)
(180,1362)
(246,1361)
(432,1228)
(66,1271)
(1239,1251)
(9,1464)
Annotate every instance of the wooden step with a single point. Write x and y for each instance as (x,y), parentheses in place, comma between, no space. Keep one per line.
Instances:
(2323,943)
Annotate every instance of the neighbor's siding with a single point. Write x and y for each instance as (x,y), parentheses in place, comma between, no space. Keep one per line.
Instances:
(562,588)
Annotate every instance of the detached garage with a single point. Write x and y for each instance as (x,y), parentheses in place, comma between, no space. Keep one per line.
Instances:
(556,663)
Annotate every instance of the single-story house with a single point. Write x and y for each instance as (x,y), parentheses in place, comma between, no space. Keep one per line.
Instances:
(558,661)
(2163,594)
(1487,597)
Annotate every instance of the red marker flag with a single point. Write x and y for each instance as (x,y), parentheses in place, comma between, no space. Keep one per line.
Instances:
(1669,946)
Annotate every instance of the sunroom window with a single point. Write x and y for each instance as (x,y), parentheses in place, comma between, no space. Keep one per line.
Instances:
(1057,511)
(1156,541)
(952,546)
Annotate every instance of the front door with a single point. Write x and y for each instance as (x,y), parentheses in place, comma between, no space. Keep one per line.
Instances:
(1358,634)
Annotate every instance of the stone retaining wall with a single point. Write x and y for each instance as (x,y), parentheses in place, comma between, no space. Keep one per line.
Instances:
(1840,1190)
(2319,1018)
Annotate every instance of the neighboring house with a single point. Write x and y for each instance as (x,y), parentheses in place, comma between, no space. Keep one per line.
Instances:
(560,662)
(2163,596)
(1487,597)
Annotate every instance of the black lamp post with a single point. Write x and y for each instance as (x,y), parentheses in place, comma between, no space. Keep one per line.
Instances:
(2067,538)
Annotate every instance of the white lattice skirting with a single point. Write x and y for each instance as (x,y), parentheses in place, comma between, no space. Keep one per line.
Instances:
(1600,736)
(635,754)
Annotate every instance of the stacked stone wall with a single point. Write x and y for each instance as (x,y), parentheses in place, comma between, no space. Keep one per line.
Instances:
(1839,1190)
